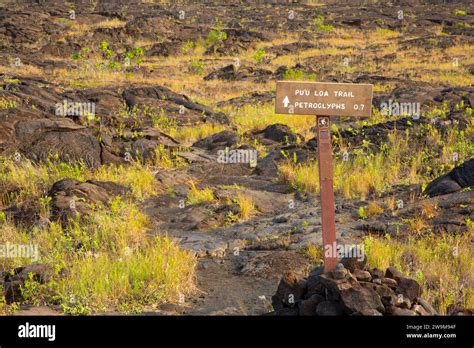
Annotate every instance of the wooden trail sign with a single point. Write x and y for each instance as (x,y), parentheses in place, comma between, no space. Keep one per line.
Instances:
(324,100)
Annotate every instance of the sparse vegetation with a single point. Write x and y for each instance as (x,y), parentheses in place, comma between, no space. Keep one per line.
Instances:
(298,74)
(143,70)
(7,104)
(197,196)
(319,25)
(245,203)
(259,55)
(441,263)
(112,264)
(216,35)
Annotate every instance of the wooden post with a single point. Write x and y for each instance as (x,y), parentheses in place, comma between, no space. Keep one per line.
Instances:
(326,189)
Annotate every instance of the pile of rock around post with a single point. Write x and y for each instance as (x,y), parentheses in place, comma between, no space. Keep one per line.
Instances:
(351,289)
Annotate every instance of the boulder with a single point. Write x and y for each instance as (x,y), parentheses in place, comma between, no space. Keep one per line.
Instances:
(396,311)
(457,179)
(353,263)
(308,307)
(370,312)
(459,310)
(341,292)
(71,196)
(408,288)
(356,300)
(218,141)
(289,291)
(376,273)
(363,276)
(280,133)
(393,273)
(327,308)
(334,287)
(40,138)
(426,306)
(391,283)
(313,283)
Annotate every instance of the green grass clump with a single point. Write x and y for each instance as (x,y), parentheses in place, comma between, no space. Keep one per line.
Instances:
(298,74)
(6,103)
(159,273)
(197,196)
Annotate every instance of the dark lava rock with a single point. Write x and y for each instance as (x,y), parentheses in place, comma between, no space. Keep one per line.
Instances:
(354,263)
(333,293)
(396,311)
(362,275)
(226,73)
(71,196)
(370,312)
(426,306)
(408,288)
(328,308)
(393,273)
(460,177)
(459,310)
(290,290)
(231,73)
(358,299)
(219,140)
(278,132)
(249,99)
(376,273)
(162,98)
(308,306)
(40,138)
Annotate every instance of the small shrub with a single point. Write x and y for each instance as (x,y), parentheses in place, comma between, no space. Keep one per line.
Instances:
(259,55)
(197,196)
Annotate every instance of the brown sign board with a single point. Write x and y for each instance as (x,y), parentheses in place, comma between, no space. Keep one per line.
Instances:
(323,98)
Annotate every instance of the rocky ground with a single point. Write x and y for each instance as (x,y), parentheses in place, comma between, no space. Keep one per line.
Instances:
(190,105)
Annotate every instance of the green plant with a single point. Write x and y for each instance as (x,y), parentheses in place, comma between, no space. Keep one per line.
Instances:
(135,55)
(188,47)
(231,218)
(298,74)
(314,253)
(6,309)
(361,213)
(82,54)
(197,196)
(197,67)
(319,25)
(259,55)
(112,263)
(104,48)
(216,35)
(6,103)
(460,12)
(45,210)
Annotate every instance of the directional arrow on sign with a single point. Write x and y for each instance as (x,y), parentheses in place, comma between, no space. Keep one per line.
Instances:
(286,101)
